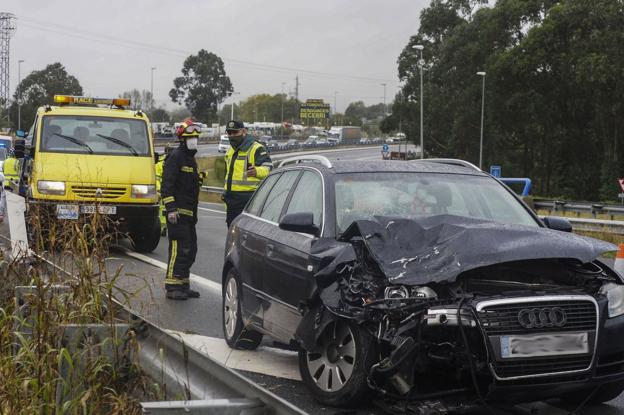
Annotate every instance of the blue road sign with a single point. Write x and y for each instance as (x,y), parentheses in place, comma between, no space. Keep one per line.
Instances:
(495,171)
(386,147)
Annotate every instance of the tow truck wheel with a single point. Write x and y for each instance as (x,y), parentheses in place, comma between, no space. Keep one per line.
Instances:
(237,336)
(335,371)
(146,240)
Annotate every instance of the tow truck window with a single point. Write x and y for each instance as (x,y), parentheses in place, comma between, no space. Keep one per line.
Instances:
(94,135)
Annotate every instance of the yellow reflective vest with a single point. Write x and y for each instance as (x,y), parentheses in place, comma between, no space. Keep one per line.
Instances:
(159,173)
(238,161)
(10,169)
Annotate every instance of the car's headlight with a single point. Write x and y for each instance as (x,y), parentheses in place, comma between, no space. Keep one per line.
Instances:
(143,191)
(615,296)
(51,188)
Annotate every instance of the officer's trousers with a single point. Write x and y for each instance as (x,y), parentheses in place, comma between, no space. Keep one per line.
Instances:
(182,252)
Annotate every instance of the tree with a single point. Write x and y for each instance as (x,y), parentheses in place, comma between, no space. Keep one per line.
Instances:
(553,97)
(39,88)
(139,100)
(265,107)
(159,115)
(202,86)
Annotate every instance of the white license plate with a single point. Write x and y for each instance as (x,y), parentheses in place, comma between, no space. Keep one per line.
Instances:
(67,211)
(104,210)
(551,344)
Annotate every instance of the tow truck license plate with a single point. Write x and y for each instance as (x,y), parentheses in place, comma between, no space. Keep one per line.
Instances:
(67,211)
(546,344)
(104,210)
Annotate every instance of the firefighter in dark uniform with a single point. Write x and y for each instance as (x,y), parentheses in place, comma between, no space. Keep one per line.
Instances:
(247,163)
(180,194)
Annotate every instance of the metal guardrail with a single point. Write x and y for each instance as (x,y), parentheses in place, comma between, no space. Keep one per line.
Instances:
(579,207)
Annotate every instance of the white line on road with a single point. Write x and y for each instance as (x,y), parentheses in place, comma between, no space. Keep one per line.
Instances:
(211,210)
(196,279)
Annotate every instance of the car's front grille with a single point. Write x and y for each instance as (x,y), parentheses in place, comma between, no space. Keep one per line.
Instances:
(501,318)
(99,192)
(540,366)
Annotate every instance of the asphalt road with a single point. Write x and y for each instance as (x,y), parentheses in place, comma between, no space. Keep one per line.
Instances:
(199,320)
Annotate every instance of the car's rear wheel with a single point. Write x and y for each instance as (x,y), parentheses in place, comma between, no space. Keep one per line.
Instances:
(237,336)
(605,393)
(336,369)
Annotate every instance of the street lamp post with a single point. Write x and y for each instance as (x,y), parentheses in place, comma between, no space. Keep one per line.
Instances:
(421,63)
(482,74)
(335,106)
(19,94)
(385,107)
(283,83)
(232,106)
(152,87)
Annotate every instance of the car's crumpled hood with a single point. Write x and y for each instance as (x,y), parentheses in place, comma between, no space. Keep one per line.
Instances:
(439,248)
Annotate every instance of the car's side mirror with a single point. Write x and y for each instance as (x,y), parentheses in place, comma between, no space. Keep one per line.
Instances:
(299,222)
(21,133)
(558,224)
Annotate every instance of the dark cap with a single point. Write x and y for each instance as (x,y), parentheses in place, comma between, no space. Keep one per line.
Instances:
(234,125)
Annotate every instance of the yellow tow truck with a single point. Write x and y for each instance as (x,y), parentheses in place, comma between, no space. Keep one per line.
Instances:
(85,154)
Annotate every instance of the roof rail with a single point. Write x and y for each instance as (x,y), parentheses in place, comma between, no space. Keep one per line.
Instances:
(312,157)
(453,162)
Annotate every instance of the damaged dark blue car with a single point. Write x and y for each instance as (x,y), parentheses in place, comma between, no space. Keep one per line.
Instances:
(421,280)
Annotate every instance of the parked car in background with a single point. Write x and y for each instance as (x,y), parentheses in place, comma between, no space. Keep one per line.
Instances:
(364,141)
(292,142)
(321,141)
(429,275)
(311,140)
(377,140)
(265,140)
(390,140)
(224,144)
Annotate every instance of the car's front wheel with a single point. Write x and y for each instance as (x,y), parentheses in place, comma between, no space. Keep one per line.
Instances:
(237,336)
(336,369)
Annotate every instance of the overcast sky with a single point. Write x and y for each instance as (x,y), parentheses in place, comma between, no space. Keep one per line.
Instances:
(348,46)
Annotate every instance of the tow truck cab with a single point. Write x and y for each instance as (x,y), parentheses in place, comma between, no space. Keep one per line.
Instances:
(85,154)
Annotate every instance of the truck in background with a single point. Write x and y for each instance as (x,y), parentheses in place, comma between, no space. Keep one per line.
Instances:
(338,133)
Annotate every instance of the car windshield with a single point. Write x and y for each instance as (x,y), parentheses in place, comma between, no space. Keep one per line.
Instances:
(94,135)
(417,195)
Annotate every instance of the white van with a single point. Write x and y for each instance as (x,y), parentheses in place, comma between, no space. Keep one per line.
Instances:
(224,144)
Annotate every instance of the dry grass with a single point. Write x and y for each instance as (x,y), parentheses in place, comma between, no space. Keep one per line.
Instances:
(40,371)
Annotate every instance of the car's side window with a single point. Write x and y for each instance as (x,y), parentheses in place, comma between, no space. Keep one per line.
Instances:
(277,196)
(308,197)
(255,205)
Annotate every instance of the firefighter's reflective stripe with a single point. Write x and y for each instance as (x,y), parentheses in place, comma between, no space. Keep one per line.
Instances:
(174,254)
(175,281)
(186,212)
(239,181)
(168,199)
(186,169)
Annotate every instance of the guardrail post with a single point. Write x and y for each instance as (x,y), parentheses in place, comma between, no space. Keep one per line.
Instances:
(595,209)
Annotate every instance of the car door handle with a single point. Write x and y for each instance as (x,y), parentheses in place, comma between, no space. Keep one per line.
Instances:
(270,249)
(244,237)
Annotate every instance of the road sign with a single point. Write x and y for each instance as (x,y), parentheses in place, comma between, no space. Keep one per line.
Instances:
(495,171)
(385,148)
(621,182)
(314,109)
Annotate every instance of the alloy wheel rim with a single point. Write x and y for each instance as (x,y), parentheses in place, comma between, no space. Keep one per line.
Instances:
(230,308)
(330,364)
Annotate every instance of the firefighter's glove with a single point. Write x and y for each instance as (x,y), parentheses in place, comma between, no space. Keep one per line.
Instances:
(173,217)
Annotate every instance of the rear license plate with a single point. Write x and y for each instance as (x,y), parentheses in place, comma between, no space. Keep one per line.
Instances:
(551,344)
(104,210)
(67,211)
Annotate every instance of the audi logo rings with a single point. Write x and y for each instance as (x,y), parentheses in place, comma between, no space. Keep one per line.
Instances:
(535,318)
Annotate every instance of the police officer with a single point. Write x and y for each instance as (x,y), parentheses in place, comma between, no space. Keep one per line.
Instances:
(247,162)
(180,194)
(11,171)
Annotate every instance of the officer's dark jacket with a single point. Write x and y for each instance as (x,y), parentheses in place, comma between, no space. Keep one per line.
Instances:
(181,182)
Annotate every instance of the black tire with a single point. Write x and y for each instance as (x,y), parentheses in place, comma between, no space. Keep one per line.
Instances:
(236,335)
(605,393)
(146,240)
(351,390)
